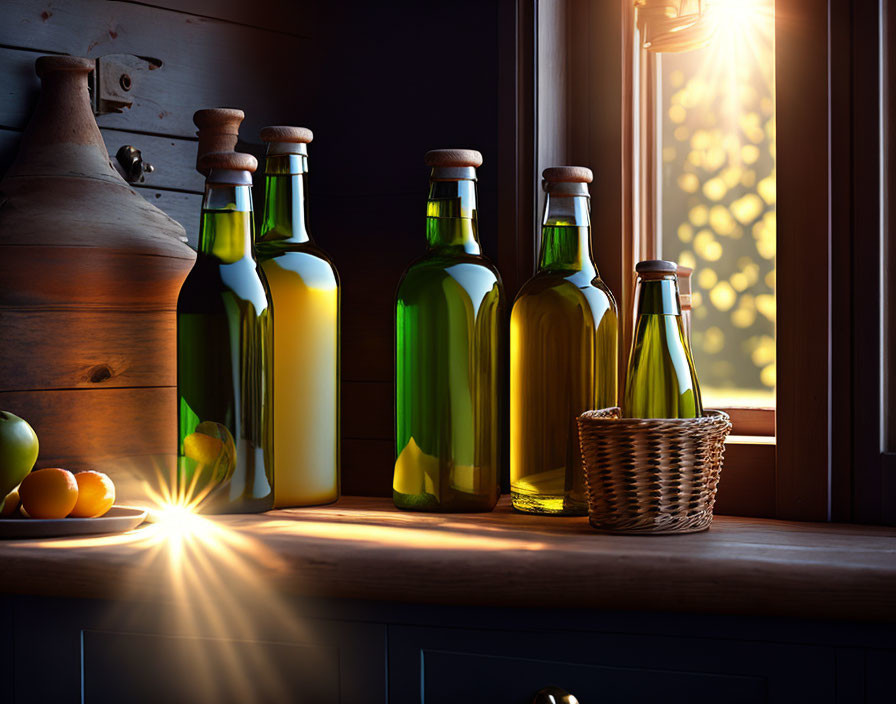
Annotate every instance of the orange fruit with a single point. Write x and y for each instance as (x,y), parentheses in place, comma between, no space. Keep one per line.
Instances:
(49,493)
(96,494)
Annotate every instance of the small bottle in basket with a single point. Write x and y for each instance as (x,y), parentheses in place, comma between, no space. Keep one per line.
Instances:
(563,350)
(661,381)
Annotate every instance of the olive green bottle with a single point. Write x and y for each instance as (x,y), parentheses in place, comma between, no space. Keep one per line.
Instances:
(224,348)
(661,381)
(563,353)
(305,292)
(449,354)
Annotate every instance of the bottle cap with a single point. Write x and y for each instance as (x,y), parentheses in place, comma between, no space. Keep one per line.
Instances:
(567,174)
(233,168)
(453,158)
(282,139)
(219,131)
(283,133)
(656,268)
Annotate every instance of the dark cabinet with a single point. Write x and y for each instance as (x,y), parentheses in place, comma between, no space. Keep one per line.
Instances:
(452,665)
(94,652)
(91,651)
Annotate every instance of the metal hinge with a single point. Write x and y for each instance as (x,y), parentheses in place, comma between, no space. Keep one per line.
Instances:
(116,77)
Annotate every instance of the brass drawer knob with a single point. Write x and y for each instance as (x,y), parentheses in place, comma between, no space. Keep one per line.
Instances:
(554,695)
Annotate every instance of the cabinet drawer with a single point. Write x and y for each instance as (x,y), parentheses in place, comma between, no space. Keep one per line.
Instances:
(140,667)
(107,651)
(442,665)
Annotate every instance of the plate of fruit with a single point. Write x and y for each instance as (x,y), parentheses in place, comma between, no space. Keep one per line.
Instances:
(53,501)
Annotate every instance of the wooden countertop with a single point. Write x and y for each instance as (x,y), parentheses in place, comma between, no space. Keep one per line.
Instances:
(363,548)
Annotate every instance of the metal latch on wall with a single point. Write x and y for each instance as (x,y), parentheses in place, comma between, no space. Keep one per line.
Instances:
(114,80)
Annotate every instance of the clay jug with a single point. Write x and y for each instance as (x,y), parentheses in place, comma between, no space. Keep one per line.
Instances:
(89,277)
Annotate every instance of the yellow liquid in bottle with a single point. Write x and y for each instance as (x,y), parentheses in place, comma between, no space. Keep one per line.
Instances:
(306,386)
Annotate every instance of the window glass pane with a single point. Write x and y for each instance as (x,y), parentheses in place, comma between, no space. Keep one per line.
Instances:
(716,157)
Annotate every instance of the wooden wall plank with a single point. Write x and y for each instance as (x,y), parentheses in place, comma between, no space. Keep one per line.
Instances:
(98,422)
(128,433)
(280,16)
(175,156)
(112,349)
(205,62)
(173,159)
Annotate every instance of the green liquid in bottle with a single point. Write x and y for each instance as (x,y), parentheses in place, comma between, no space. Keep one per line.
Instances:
(563,361)
(449,364)
(224,347)
(305,293)
(661,381)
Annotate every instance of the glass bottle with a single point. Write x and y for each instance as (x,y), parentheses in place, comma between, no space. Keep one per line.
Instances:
(661,381)
(563,353)
(304,288)
(224,348)
(449,363)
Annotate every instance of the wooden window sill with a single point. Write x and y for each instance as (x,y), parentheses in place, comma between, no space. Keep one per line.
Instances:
(362,548)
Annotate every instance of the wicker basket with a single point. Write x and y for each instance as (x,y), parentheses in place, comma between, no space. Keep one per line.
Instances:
(654,476)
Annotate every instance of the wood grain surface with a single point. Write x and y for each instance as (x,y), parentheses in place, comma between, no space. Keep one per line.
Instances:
(94,429)
(87,349)
(365,549)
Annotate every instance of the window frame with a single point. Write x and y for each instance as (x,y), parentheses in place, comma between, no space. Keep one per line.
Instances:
(828,460)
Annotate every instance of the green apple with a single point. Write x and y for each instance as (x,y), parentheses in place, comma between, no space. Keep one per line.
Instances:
(18,451)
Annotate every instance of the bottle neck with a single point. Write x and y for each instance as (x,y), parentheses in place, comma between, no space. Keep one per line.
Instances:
(452,223)
(285,205)
(566,234)
(658,296)
(227,228)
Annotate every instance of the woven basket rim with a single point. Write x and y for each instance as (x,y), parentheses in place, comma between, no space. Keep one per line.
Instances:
(598,416)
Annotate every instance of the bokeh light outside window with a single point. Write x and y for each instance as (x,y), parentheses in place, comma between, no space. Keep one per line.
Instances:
(716,134)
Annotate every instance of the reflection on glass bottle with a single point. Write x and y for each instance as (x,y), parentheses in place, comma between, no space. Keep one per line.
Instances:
(305,294)
(449,361)
(661,381)
(224,336)
(563,353)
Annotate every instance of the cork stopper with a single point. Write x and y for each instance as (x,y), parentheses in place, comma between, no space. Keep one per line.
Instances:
(567,174)
(656,268)
(234,168)
(283,133)
(219,131)
(439,158)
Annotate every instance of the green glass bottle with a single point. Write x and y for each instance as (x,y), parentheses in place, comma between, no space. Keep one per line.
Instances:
(564,336)
(305,292)
(661,381)
(449,354)
(224,350)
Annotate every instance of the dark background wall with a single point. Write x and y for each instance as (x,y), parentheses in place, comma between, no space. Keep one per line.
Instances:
(378,83)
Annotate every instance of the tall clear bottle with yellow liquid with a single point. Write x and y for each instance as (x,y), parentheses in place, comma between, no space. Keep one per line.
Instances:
(304,288)
(563,353)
